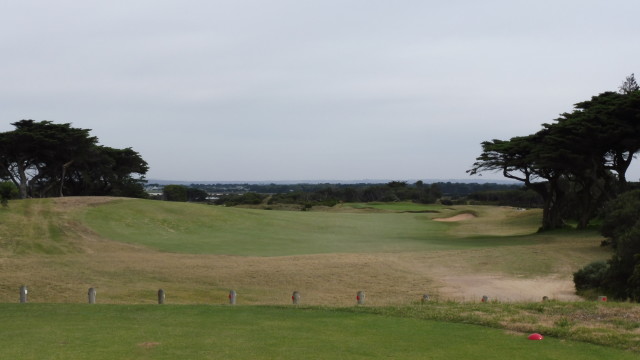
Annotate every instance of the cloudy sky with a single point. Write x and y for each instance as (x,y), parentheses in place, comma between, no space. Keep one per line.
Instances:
(310,89)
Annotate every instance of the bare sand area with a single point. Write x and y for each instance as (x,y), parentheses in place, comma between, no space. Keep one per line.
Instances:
(507,289)
(459,217)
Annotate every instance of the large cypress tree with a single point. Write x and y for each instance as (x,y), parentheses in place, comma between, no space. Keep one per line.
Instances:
(47,159)
(583,155)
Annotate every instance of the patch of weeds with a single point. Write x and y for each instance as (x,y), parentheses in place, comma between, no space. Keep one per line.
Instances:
(625,324)
(535,307)
(522,319)
(612,324)
(602,336)
(563,323)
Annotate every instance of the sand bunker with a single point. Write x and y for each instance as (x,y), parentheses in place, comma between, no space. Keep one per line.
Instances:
(459,217)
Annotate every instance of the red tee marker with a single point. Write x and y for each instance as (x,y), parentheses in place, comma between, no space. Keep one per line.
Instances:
(535,336)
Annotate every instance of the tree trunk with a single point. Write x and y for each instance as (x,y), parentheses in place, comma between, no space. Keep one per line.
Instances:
(23,181)
(621,165)
(552,211)
(64,173)
(551,218)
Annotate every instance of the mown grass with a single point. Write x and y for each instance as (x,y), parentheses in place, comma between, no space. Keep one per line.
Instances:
(199,229)
(56,331)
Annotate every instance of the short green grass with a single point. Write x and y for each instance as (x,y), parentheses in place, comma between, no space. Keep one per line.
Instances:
(57,331)
(200,229)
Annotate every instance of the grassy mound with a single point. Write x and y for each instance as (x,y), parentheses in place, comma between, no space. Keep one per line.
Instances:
(198,229)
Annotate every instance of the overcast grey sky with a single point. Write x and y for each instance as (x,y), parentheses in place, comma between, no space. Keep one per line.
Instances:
(310,89)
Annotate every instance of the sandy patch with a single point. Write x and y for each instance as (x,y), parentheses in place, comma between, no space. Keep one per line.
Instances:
(473,287)
(459,217)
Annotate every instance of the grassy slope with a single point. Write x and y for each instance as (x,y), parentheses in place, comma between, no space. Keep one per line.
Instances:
(499,239)
(48,245)
(59,245)
(33,227)
(196,332)
(197,229)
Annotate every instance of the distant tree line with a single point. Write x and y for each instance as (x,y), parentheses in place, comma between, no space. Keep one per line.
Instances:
(522,198)
(392,191)
(419,192)
(43,159)
(183,193)
(448,189)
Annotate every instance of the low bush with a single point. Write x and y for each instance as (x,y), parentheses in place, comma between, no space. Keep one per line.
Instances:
(592,276)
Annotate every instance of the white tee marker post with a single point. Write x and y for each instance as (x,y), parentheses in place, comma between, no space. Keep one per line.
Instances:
(92,296)
(23,294)
(161,296)
(360,297)
(232,297)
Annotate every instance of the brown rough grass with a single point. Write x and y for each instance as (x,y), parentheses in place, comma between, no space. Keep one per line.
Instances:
(124,273)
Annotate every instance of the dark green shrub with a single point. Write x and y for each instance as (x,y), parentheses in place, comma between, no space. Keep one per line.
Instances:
(592,276)
(7,191)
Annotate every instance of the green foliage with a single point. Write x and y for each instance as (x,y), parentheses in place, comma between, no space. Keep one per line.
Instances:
(45,159)
(249,198)
(629,85)
(577,163)
(592,276)
(183,193)
(624,277)
(390,192)
(620,214)
(8,191)
(175,193)
(523,198)
(621,276)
